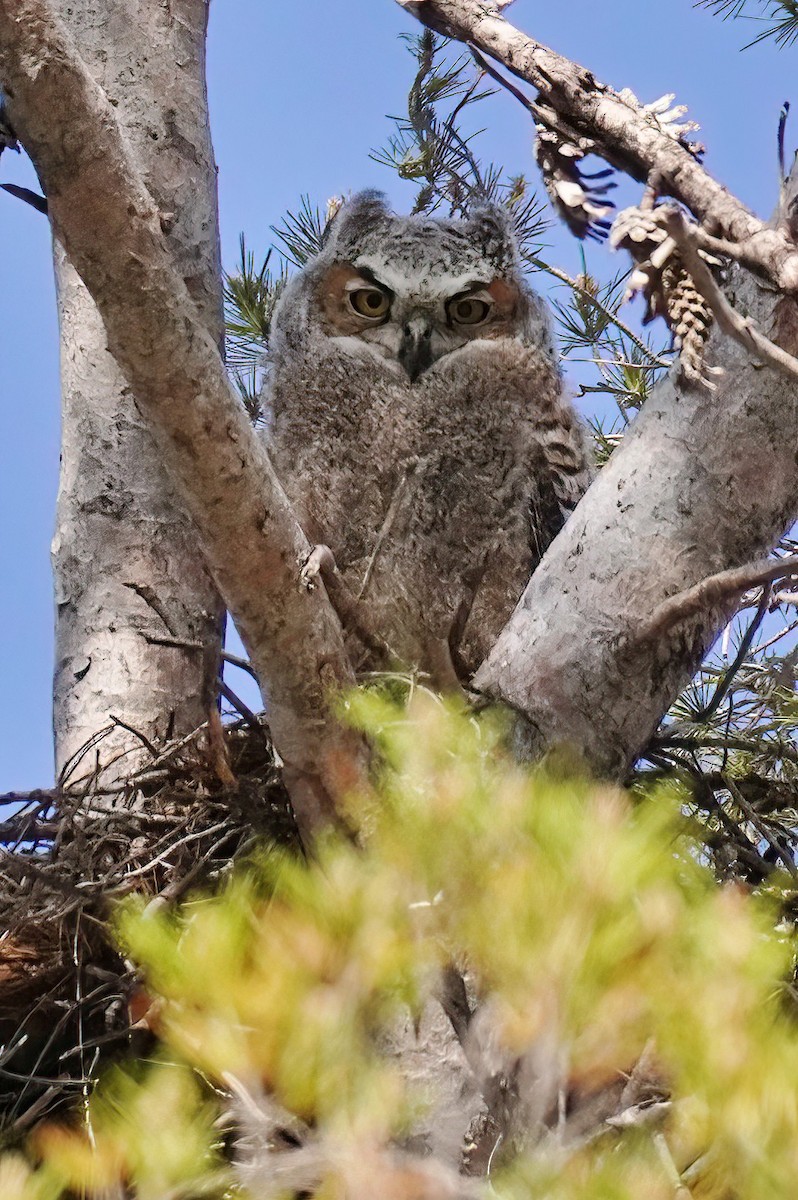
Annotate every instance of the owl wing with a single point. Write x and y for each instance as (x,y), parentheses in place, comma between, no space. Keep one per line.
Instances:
(564,473)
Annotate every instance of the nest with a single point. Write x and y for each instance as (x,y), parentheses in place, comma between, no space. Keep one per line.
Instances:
(67,996)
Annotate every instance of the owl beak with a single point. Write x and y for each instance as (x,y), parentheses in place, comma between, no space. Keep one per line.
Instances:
(415,350)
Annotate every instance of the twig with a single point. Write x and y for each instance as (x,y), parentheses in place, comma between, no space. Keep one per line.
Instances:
(746,745)
(22,193)
(178,886)
(742,329)
(754,819)
(564,277)
(728,676)
(615,362)
(710,592)
(777,637)
(27,828)
(34,1111)
(385,529)
(145,741)
(244,664)
(680,1192)
(185,841)
(249,716)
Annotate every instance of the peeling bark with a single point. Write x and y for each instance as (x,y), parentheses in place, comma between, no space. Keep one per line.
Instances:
(112,230)
(138,618)
(627,137)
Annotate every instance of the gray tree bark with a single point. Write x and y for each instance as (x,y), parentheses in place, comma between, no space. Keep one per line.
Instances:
(138,618)
(704,481)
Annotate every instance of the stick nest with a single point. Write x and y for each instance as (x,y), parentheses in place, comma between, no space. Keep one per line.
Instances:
(67,996)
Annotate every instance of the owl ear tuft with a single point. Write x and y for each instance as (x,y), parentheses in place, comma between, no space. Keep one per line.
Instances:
(493,227)
(364,213)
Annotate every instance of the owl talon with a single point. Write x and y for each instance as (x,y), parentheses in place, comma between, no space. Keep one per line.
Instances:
(320,561)
(354,615)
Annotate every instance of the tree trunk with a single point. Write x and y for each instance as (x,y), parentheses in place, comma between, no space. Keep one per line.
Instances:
(703,481)
(113,228)
(138,619)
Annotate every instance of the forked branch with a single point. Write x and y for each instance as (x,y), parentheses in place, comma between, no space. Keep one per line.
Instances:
(713,591)
(111,228)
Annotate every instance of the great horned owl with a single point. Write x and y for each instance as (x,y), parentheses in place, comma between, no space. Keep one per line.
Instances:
(417,420)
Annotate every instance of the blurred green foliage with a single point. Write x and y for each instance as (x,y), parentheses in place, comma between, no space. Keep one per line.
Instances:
(588,919)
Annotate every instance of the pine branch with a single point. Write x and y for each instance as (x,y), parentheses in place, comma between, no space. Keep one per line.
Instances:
(782,15)
(635,138)
(434,147)
(301,234)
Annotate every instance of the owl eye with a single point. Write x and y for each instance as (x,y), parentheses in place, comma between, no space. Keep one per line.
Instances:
(370,302)
(469,310)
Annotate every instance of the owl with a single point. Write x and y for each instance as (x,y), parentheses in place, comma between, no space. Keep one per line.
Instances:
(417,420)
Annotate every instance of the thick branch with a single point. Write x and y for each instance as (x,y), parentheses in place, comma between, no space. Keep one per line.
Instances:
(138,619)
(112,230)
(628,138)
(702,483)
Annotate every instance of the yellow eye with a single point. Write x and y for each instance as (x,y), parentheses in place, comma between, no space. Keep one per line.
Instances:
(370,302)
(469,311)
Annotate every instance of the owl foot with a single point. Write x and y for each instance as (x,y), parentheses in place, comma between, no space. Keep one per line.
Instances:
(354,615)
(321,560)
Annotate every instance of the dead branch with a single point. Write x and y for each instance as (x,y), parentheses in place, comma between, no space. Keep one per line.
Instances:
(235,660)
(102,212)
(713,591)
(238,704)
(42,796)
(780,851)
(730,674)
(730,321)
(620,130)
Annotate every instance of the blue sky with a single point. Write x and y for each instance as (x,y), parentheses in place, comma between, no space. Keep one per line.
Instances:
(299,93)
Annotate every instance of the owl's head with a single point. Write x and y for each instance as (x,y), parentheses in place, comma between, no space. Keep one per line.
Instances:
(414,289)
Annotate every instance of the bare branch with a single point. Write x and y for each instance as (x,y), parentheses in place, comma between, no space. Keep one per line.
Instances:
(622,131)
(729,675)
(781,852)
(235,660)
(246,712)
(103,214)
(713,591)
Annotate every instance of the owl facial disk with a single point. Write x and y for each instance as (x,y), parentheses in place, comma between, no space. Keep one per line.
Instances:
(413,324)
(353,301)
(470,308)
